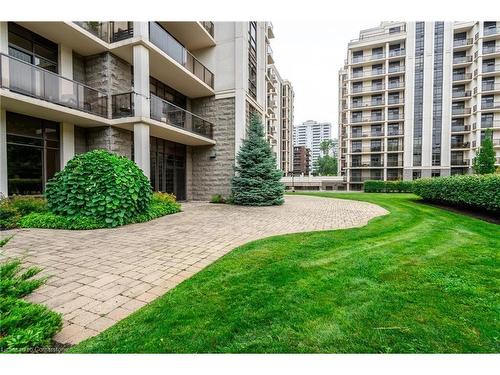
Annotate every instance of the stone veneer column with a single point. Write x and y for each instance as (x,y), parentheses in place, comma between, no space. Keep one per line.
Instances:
(141,147)
(3,154)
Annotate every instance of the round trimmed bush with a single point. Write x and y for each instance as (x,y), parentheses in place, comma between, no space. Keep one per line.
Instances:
(100,185)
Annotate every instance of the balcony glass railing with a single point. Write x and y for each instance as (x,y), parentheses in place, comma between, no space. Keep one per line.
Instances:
(367,134)
(460,128)
(462,76)
(490,105)
(487,123)
(394,148)
(462,42)
(209,26)
(372,103)
(460,145)
(397,69)
(367,119)
(357,89)
(491,31)
(122,105)
(169,113)
(489,50)
(490,86)
(395,116)
(460,111)
(356,150)
(393,132)
(27,79)
(461,94)
(491,68)
(395,101)
(168,44)
(110,32)
(396,85)
(462,59)
(394,163)
(396,52)
(459,161)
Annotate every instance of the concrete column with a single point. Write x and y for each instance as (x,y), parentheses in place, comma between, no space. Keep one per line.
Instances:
(141,147)
(67,143)
(141,81)
(141,29)
(4,48)
(3,154)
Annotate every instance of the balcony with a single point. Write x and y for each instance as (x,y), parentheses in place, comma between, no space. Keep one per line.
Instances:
(371,164)
(193,35)
(395,132)
(169,113)
(394,163)
(462,60)
(109,32)
(396,69)
(373,103)
(490,105)
(270,30)
(269,52)
(168,44)
(491,68)
(397,52)
(23,78)
(359,150)
(371,88)
(363,178)
(461,94)
(462,76)
(491,31)
(460,145)
(394,148)
(356,120)
(460,128)
(375,134)
(490,124)
(491,50)
(361,59)
(462,42)
(395,116)
(490,86)
(459,162)
(122,105)
(460,111)
(395,101)
(396,85)
(370,73)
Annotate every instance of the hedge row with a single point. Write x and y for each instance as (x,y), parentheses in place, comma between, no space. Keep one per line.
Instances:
(474,191)
(388,186)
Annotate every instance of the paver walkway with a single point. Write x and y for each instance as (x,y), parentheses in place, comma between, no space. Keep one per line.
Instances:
(99,277)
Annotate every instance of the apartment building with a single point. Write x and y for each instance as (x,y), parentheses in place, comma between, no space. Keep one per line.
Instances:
(287,111)
(415,99)
(301,160)
(273,112)
(310,134)
(176,97)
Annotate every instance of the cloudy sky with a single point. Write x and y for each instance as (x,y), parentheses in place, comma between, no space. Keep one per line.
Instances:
(310,56)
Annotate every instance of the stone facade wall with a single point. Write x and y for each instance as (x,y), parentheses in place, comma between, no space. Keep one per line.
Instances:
(212,175)
(116,140)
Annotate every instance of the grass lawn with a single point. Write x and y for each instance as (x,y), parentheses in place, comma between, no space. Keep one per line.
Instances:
(420,279)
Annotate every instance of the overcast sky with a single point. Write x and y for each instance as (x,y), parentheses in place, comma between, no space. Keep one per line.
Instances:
(310,55)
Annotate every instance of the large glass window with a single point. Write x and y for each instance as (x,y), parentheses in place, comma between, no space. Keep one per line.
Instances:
(33,155)
(167,93)
(437,101)
(168,167)
(418,103)
(252,59)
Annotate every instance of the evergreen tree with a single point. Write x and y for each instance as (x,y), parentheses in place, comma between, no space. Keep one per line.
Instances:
(484,162)
(257,180)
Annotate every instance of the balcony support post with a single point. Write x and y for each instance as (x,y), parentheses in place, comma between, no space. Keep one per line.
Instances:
(141,147)
(141,81)
(67,143)
(3,154)
(4,48)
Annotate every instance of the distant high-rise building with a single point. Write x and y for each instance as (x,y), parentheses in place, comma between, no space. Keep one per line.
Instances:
(311,134)
(415,99)
(287,108)
(301,160)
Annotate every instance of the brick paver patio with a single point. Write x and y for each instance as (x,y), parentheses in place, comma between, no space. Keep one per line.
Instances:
(99,277)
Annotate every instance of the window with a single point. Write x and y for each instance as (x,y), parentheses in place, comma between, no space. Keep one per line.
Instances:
(252,59)
(435,173)
(418,102)
(33,155)
(32,48)
(417,174)
(167,93)
(394,30)
(437,99)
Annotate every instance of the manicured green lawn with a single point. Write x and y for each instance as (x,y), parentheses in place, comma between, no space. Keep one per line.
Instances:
(420,279)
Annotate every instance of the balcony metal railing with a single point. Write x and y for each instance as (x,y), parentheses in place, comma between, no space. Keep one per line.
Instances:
(367,88)
(490,105)
(169,113)
(395,132)
(491,31)
(462,59)
(395,116)
(394,163)
(462,76)
(367,134)
(168,44)
(490,124)
(110,32)
(397,52)
(357,150)
(460,128)
(489,50)
(367,119)
(122,105)
(457,145)
(371,164)
(491,68)
(460,111)
(462,42)
(459,162)
(209,26)
(392,101)
(461,94)
(490,86)
(24,78)
(396,69)
(372,103)
(396,85)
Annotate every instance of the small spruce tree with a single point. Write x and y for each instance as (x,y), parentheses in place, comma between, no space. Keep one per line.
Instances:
(257,180)
(484,162)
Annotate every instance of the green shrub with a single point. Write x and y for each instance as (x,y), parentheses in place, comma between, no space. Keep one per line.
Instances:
(375,186)
(18,283)
(217,198)
(49,220)
(9,215)
(100,185)
(474,191)
(27,205)
(25,326)
(162,204)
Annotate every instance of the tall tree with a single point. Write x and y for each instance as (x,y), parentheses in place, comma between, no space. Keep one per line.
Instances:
(484,162)
(257,180)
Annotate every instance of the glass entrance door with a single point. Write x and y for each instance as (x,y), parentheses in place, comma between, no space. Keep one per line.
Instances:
(168,167)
